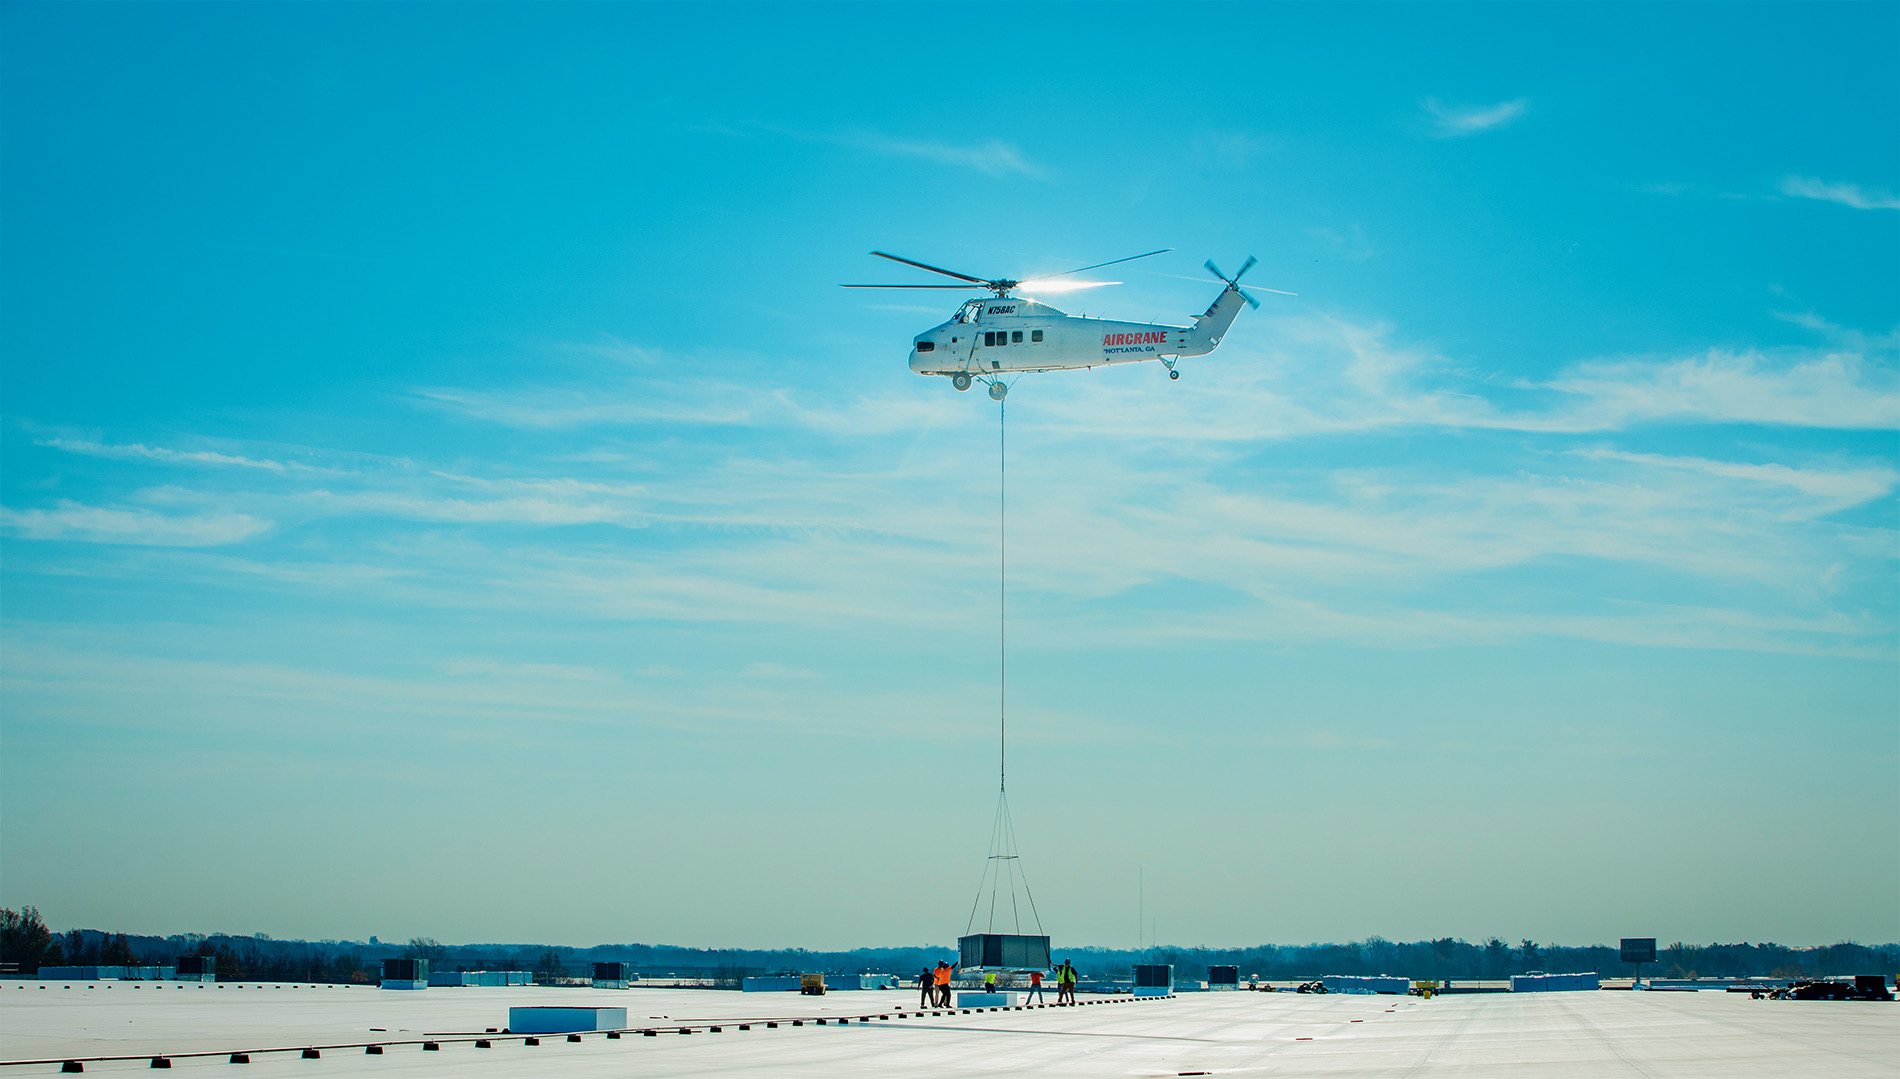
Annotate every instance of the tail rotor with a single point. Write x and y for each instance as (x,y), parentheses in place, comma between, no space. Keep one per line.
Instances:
(1234,281)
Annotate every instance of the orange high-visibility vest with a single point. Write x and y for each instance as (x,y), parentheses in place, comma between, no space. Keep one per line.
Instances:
(943,975)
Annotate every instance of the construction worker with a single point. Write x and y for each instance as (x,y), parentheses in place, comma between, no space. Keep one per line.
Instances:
(1035,986)
(1065,983)
(989,982)
(926,987)
(942,978)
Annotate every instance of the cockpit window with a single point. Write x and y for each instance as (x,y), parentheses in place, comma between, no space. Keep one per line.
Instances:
(926,346)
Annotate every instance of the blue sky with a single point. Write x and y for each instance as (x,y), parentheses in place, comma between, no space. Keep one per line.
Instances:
(446,493)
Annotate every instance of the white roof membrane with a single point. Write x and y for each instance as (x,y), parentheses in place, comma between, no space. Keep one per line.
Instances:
(1606,1033)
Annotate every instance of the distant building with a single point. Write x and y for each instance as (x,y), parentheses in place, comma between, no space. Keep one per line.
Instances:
(107,974)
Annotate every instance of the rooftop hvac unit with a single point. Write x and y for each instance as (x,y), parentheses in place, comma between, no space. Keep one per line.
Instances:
(613,975)
(1553,983)
(1154,979)
(1366,983)
(405,974)
(1004,951)
(1222,976)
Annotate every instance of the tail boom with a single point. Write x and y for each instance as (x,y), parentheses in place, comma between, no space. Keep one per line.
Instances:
(1204,337)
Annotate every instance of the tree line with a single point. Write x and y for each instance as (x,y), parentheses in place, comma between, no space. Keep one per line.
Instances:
(1450,958)
(26,944)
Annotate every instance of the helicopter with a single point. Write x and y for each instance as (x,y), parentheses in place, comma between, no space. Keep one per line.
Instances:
(1005,333)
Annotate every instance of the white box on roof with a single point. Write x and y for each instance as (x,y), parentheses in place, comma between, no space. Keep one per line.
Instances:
(565,1020)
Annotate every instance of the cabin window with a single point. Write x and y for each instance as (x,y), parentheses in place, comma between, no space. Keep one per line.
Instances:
(989,338)
(926,346)
(1016,336)
(1035,335)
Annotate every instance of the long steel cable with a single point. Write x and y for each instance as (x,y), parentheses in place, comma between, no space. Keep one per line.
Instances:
(1003,828)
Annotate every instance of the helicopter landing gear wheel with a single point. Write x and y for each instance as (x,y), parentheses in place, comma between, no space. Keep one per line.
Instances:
(998,390)
(960,380)
(1174,374)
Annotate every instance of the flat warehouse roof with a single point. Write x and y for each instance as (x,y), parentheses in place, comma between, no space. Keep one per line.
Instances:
(1541,1036)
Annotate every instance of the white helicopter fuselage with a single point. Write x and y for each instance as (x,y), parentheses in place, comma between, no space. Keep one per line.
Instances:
(1004,334)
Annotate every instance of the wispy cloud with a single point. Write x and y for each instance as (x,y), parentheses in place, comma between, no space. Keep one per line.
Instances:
(1331,376)
(1835,390)
(1312,375)
(1834,488)
(543,510)
(814,505)
(1351,245)
(68,520)
(777,670)
(1809,187)
(1456,121)
(993,157)
(132,451)
(660,402)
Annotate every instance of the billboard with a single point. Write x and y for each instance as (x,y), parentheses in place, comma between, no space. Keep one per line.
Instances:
(1638,950)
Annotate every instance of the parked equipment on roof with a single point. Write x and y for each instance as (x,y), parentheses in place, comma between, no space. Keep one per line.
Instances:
(1863,987)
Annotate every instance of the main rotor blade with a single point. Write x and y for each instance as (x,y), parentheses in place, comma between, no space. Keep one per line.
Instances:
(932,269)
(1112,262)
(1040,285)
(1256,288)
(961,288)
